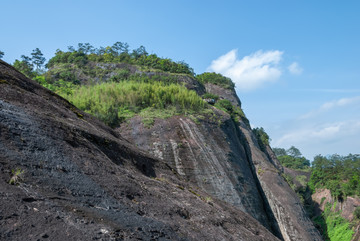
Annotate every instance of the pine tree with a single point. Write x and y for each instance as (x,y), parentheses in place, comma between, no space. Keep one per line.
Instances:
(37,58)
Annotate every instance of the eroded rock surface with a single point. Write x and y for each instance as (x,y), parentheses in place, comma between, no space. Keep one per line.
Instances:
(207,154)
(80,180)
(224,159)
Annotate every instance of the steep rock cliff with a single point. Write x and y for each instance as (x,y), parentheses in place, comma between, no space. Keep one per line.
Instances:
(223,157)
(284,203)
(77,179)
(285,206)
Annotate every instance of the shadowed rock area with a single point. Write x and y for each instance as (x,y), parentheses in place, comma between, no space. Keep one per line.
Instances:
(77,179)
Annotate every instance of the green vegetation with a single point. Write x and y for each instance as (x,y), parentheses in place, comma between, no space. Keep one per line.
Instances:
(289,180)
(210,96)
(149,115)
(216,79)
(357,213)
(225,105)
(208,199)
(60,87)
(116,102)
(340,174)
(26,64)
(17,176)
(118,53)
(81,74)
(235,112)
(337,228)
(292,158)
(1,54)
(262,137)
(301,179)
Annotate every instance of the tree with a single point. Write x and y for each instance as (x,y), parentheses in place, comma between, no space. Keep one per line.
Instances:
(101,51)
(37,58)
(25,66)
(120,48)
(71,49)
(1,54)
(85,48)
(141,51)
(279,151)
(294,152)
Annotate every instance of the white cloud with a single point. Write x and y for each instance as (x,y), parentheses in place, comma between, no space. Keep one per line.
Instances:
(331,105)
(295,68)
(334,127)
(251,71)
(318,134)
(332,90)
(340,103)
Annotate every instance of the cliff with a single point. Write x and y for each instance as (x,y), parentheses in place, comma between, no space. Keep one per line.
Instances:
(182,178)
(223,158)
(77,179)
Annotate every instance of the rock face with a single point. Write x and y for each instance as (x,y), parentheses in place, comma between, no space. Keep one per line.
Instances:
(77,179)
(286,206)
(181,179)
(347,207)
(223,158)
(207,154)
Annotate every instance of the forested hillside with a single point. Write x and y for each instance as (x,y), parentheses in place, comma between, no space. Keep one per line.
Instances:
(340,175)
(114,83)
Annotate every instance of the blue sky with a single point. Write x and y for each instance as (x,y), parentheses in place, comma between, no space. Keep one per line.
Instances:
(295,63)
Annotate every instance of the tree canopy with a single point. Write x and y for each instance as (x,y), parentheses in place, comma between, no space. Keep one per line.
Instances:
(38,58)
(340,174)
(118,53)
(216,79)
(291,158)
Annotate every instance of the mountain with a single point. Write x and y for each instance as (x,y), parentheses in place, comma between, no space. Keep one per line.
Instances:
(185,177)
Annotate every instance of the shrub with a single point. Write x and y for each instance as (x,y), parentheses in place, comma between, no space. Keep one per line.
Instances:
(338,228)
(216,79)
(225,105)
(122,74)
(17,176)
(357,213)
(116,102)
(262,137)
(210,96)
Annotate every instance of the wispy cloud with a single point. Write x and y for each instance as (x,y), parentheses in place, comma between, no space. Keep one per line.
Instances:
(333,127)
(340,103)
(331,105)
(326,138)
(331,90)
(295,68)
(314,133)
(250,72)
